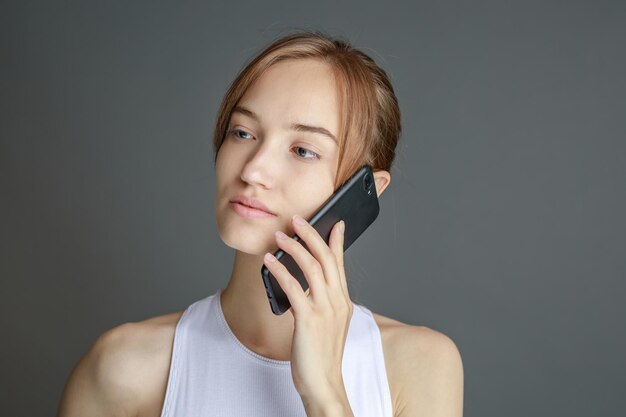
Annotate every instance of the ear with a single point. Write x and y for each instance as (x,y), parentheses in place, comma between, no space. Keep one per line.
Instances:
(382,179)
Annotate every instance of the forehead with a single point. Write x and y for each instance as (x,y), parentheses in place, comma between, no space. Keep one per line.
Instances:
(296,91)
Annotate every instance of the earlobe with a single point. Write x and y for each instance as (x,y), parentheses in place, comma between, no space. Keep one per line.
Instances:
(382,179)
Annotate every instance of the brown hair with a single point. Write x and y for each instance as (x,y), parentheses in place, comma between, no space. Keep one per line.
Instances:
(370,122)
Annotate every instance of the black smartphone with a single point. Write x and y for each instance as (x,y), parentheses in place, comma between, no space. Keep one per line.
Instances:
(355,202)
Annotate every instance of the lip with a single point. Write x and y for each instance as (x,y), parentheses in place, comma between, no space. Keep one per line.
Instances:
(249,212)
(251,202)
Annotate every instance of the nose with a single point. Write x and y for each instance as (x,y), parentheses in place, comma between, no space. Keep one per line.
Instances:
(261,166)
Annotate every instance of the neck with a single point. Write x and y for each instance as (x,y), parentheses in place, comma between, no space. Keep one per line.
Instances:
(248,313)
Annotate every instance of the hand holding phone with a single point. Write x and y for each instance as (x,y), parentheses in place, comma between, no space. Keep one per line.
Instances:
(355,202)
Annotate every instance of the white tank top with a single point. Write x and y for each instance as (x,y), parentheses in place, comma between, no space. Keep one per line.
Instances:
(213,374)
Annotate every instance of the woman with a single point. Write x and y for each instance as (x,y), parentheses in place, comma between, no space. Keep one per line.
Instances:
(297,122)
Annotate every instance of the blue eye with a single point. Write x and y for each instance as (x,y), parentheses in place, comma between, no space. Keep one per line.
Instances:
(242,135)
(239,133)
(315,156)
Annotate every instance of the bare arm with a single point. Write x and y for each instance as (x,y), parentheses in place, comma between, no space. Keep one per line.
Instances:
(102,383)
(433,379)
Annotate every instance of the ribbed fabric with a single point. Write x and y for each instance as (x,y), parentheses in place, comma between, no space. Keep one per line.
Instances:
(213,374)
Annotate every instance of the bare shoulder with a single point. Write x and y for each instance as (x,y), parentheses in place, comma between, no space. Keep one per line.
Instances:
(424,369)
(124,372)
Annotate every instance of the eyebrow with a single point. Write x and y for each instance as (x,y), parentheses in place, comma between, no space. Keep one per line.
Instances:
(299,127)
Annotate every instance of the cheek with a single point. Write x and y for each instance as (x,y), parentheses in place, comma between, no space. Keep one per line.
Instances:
(224,172)
(226,162)
(309,197)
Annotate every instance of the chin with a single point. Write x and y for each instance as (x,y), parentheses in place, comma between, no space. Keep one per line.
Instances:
(248,247)
(250,239)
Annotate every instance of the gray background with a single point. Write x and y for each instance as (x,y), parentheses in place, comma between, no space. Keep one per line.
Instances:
(503,226)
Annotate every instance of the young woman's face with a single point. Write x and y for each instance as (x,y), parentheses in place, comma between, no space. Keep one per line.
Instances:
(281,149)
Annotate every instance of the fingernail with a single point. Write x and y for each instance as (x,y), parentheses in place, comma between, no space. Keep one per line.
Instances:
(342,226)
(269,257)
(299,220)
(281,235)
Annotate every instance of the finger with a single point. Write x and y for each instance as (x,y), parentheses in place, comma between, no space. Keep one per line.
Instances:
(317,247)
(337,246)
(290,286)
(312,269)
